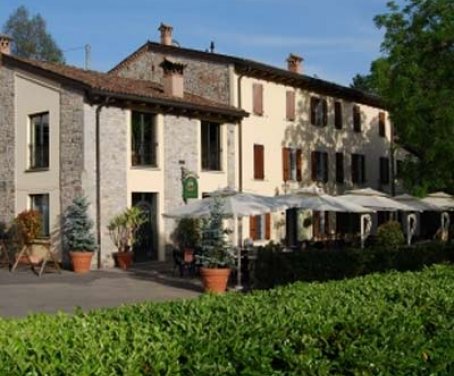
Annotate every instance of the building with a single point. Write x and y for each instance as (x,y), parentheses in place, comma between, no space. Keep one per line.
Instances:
(127,137)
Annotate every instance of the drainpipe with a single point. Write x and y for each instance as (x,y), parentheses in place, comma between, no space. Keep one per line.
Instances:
(240,138)
(98,178)
(392,149)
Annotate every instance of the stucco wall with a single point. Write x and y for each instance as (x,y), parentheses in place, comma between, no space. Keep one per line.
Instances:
(7,142)
(33,96)
(210,80)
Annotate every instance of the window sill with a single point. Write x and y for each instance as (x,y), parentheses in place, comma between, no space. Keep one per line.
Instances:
(219,172)
(40,169)
(145,167)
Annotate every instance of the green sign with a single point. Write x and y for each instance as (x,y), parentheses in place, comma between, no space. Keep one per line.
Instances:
(190,187)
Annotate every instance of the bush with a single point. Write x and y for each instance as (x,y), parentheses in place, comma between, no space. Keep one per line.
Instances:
(394,324)
(390,235)
(273,267)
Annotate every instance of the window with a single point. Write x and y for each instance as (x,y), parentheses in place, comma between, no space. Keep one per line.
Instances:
(40,203)
(381,124)
(319,229)
(319,161)
(290,105)
(143,139)
(259,165)
(338,115)
(356,118)
(211,146)
(291,160)
(319,112)
(257,99)
(39,141)
(384,170)
(260,227)
(340,168)
(358,169)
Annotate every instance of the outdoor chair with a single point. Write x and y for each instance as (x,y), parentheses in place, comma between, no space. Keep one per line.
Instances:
(4,254)
(184,261)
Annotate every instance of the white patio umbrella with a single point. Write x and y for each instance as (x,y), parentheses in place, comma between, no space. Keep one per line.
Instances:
(313,198)
(440,199)
(376,200)
(235,205)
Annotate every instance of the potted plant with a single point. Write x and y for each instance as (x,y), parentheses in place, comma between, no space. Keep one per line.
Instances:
(78,235)
(25,230)
(217,256)
(187,234)
(123,232)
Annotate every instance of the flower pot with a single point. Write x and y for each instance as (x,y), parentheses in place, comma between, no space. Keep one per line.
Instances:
(81,261)
(124,259)
(215,280)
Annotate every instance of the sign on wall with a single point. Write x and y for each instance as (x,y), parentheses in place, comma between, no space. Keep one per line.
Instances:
(190,187)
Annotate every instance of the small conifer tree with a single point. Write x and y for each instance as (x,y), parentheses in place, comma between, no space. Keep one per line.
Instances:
(78,227)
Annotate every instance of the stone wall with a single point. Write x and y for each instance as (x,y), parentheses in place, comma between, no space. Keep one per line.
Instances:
(7,142)
(114,165)
(207,79)
(180,144)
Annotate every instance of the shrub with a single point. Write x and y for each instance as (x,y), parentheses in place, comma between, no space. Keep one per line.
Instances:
(27,226)
(390,235)
(393,324)
(273,267)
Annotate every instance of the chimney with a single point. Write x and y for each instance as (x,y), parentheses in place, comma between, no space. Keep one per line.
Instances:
(294,63)
(166,34)
(173,78)
(5,44)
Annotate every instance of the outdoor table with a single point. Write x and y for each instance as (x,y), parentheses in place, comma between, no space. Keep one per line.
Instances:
(25,255)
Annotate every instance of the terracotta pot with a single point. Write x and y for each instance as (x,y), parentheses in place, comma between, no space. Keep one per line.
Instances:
(124,259)
(81,261)
(215,280)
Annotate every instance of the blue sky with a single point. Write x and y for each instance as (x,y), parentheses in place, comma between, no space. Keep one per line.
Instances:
(337,38)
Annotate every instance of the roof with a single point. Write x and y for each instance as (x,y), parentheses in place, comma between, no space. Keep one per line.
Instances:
(103,84)
(256,69)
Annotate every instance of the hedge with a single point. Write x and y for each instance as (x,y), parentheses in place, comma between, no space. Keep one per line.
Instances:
(390,324)
(274,267)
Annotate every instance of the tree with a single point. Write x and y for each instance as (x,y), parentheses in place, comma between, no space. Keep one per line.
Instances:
(31,39)
(416,81)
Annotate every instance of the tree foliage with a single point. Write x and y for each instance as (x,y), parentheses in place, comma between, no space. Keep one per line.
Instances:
(31,39)
(415,77)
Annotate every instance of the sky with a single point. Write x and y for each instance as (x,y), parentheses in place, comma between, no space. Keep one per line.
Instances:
(336,38)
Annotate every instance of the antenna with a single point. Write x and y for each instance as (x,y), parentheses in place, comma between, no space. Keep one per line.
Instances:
(87,49)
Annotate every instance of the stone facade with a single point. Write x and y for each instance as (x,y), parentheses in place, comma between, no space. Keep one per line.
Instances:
(207,79)
(180,151)
(7,142)
(114,165)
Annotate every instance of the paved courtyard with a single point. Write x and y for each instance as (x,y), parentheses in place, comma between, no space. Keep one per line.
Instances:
(22,292)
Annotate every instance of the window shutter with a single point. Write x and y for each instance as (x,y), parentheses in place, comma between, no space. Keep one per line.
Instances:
(267,226)
(290,105)
(325,112)
(316,224)
(327,223)
(286,163)
(299,168)
(384,170)
(363,169)
(355,168)
(325,168)
(259,171)
(338,115)
(253,227)
(314,165)
(356,118)
(257,99)
(381,124)
(339,168)
(313,110)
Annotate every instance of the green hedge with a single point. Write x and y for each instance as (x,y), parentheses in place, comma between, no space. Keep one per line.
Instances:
(391,324)
(273,267)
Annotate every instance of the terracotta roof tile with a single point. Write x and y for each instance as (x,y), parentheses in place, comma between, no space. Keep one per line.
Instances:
(122,86)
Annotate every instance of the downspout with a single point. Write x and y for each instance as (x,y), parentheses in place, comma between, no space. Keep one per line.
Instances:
(98,178)
(392,161)
(240,138)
